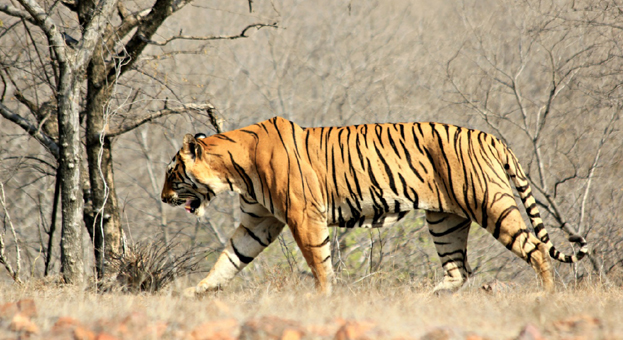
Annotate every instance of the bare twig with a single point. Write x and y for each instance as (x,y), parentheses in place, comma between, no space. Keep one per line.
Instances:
(242,34)
(155,115)
(591,171)
(216,121)
(14,273)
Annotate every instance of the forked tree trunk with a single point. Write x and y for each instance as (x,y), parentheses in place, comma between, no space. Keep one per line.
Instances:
(102,221)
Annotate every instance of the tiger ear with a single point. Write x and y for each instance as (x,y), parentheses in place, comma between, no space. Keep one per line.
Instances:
(191,147)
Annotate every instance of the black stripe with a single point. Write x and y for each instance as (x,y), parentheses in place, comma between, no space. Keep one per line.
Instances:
(250,132)
(242,197)
(350,190)
(232,262)
(307,148)
(393,145)
(448,184)
(438,221)
(326,240)
(462,225)
(253,236)
(529,255)
(498,223)
(243,259)
(388,170)
(334,170)
(296,145)
(408,156)
(288,189)
(459,266)
(249,213)
(379,133)
(223,137)
(459,251)
(509,246)
(247,180)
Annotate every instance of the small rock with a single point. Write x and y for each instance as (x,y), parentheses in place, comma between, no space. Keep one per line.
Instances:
(81,333)
(22,324)
(530,332)
(64,328)
(584,325)
(450,333)
(65,322)
(155,330)
(352,330)
(222,329)
(27,307)
(270,327)
(8,310)
(105,336)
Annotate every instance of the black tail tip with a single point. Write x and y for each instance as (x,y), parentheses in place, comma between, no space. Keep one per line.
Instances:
(577,239)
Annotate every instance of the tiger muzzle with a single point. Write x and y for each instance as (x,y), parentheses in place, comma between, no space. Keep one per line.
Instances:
(172,200)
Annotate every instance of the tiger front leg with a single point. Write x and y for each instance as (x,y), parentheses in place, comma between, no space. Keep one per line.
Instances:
(313,240)
(244,245)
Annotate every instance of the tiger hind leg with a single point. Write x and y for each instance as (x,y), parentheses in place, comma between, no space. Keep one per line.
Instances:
(450,233)
(506,224)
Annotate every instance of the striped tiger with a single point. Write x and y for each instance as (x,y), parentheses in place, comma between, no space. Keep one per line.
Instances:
(366,176)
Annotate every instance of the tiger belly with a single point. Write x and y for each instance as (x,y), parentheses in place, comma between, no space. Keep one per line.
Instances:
(376,213)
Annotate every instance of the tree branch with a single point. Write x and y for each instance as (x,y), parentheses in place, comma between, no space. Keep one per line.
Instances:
(32,130)
(17,13)
(242,34)
(92,33)
(129,21)
(45,22)
(161,10)
(155,115)
(71,5)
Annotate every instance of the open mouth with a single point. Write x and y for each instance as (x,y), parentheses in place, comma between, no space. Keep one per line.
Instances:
(192,205)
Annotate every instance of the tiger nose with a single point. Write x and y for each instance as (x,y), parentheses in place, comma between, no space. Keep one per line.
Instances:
(166,198)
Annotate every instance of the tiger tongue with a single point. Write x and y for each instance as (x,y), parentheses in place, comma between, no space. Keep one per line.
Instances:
(188,206)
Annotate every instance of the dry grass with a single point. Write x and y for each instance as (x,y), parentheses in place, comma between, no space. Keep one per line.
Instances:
(399,310)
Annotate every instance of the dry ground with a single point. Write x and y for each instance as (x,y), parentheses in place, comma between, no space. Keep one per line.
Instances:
(389,311)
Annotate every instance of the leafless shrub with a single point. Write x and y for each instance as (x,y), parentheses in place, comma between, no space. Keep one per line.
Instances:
(151,266)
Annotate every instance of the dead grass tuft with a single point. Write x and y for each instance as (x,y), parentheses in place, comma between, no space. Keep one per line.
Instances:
(151,266)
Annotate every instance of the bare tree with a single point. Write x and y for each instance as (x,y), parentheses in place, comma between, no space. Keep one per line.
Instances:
(70,67)
(550,87)
(111,38)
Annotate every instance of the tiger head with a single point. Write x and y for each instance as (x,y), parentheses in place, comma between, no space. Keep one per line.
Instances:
(193,177)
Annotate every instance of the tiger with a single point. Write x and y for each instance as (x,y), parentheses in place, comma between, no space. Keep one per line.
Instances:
(369,176)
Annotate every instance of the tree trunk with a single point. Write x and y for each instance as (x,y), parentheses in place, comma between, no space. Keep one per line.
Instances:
(72,262)
(104,222)
(55,203)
